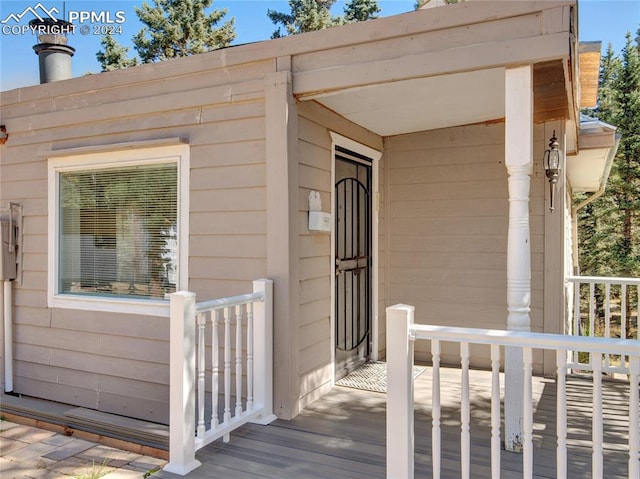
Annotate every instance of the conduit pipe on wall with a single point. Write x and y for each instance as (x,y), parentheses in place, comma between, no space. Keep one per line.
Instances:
(10,241)
(8,337)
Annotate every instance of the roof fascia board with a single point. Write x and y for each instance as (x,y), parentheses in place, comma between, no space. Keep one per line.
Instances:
(473,57)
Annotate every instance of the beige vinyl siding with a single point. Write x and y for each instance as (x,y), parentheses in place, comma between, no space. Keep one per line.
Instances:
(315,265)
(448,208)
(119,362)
(314,171)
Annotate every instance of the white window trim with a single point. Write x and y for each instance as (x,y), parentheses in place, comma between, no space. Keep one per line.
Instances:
(79,160)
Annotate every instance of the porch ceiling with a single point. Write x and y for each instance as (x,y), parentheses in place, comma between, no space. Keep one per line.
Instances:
(423,103)
(442,101)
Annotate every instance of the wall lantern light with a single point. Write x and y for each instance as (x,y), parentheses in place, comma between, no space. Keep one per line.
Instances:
(552,157)
(3,134)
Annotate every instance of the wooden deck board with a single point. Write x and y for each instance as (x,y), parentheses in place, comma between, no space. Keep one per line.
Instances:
(342,435)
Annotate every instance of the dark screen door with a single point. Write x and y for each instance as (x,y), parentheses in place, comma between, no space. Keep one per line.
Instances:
(353,260)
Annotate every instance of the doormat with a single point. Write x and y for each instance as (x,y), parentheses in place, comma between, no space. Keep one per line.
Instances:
(372,376)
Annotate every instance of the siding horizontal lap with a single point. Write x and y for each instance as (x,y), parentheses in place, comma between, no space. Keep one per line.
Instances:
(314,267)
(228,223)
(318,310)
(455,208)
(218,288)
(314,289)
(232,268)
(315,245)
(110,366)
(249,198)
(314,178)
(313,333)
(173,101)
(32,316)
(226,177)
(29,297)
(243,152)
(470,190)
(57,338)
(232,246)
(128,325)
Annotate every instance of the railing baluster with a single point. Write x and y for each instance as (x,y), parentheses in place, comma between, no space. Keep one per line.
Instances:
(576,318)
(465,414)
(607,310)
(623,320)
(623,312)
(607,320)
(634,417)
(561,414)
(527,415)
(495,411)
(250,357)
(609,329)
(592,312)
(238,360)
(202,347)
(215,366)
(592,308)
(637,308)
(597,429)
(226,417)
(436,450)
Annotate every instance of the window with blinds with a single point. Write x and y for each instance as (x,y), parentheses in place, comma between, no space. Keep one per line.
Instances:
(118,231)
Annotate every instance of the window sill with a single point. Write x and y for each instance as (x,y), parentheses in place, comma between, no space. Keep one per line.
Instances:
(111,305)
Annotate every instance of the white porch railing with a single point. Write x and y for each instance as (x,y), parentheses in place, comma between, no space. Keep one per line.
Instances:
(220,349)
(401,335)
(607,308)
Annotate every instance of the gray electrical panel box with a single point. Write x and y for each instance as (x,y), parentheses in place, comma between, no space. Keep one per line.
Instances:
(8,258)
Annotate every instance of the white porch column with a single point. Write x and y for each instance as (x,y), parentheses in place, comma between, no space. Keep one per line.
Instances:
(519,162)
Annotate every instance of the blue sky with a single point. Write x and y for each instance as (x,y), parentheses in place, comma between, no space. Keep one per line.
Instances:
(603,20)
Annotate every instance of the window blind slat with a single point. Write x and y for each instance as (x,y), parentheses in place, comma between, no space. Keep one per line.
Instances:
(119,231)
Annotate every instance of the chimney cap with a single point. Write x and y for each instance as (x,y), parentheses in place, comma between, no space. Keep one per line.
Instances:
(51,30)
(50,22)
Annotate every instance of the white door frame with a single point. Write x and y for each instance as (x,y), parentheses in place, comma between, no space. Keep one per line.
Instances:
(375,155)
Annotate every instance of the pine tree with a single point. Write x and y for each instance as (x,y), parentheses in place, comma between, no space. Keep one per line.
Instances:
(305,16)
(178,28)
(609,70)
(609,233)
(361,10)
(626,181)
(114,56)
(598,221)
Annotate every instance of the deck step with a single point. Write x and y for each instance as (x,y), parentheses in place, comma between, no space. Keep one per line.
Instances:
(89,420)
